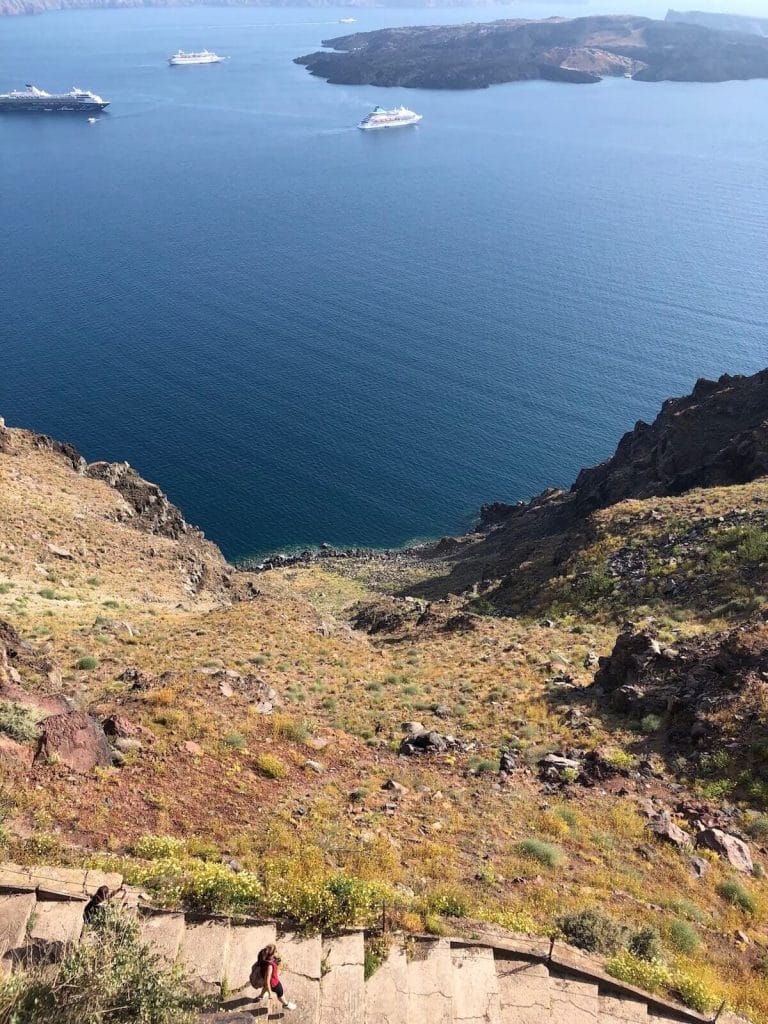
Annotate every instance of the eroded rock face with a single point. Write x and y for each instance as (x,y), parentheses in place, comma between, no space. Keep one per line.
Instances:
(153,511)
(75,740)
(717,435)
(710,690)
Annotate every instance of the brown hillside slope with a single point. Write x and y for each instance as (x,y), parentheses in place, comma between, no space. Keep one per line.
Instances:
(266,732)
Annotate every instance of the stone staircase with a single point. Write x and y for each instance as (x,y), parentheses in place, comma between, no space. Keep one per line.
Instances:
(493,979)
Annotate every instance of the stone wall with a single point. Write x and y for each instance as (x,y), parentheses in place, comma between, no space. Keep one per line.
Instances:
(496,979)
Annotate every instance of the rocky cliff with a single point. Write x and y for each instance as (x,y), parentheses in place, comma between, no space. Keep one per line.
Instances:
(716,436)
(577,50)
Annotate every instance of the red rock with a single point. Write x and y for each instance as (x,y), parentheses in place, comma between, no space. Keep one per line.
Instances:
(76,740)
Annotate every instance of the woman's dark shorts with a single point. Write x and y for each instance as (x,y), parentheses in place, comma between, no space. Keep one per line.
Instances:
(278,989)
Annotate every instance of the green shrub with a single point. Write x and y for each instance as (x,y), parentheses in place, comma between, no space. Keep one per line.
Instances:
(645,943)
(289,729)
(548,854)
(18,722)
(158,847)
(110,976)
(199,885)
(651,975)
(734,892)
(327,904)
(88,662)
(694,993)
(593,931)
(271,767)
(376,950)
(757,827)
(235,740)
(650,723)
(447,903)
(683,937)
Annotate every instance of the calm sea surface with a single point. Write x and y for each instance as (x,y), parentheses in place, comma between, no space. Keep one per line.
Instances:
(308,333)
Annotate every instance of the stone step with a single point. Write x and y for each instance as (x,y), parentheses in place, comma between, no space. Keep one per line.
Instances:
(574,1002)
(56,923)
(342,985)
(163,932)
(300,972)
(476,998)
(621,1010)
(524,991)
(15,912)
(386,991)
(203,952)
(60,882)
(430,982)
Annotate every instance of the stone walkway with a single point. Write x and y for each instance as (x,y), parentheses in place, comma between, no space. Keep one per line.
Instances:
(423,980)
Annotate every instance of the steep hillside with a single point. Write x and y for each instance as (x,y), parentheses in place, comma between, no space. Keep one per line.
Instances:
(716,436)
(310,742)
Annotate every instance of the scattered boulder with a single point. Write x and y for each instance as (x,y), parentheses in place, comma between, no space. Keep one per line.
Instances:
(428,741)
(699,866)
(664,828)
(75,740)
(730,848)
(118,727)
(507,762)
(136,679)
(60,552)
(386,616)
(395,787)
(315,766)
(557,768)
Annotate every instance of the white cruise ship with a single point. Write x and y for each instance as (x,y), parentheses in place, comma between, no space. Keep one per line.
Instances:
(203,57)
(381,118)
(33,98)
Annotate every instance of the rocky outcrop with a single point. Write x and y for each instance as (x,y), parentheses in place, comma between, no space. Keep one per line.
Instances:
(150,508)
(716,436)
(18,656)
(577,50)
(707,696)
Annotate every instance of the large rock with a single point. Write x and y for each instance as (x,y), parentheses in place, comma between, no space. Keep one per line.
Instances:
(76,741)
(731,848)
(664,828)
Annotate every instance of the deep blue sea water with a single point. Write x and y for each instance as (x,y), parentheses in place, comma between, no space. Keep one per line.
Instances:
(308,333)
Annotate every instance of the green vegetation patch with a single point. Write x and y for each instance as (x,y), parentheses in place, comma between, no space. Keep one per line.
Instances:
(18,722)
(548,854)
(110,976)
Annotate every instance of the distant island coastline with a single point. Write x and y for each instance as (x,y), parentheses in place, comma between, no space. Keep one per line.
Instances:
(725,22)
(578,50)
(21,7)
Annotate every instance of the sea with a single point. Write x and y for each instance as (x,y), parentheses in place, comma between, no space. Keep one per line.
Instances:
(306,333)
